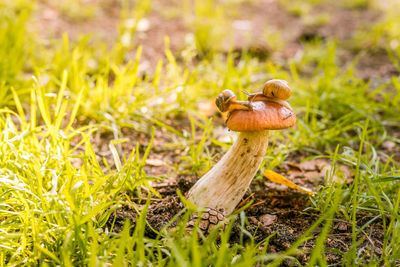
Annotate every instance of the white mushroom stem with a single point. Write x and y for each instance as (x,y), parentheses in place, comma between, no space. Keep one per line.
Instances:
(225,184)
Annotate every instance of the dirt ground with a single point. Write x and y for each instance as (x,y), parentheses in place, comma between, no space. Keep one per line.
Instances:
(248,26)
(274,211)
(275,208)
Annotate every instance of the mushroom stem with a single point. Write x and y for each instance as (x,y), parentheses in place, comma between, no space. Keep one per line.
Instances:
(224,185)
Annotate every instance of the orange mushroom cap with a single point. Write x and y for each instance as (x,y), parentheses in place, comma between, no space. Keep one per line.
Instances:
(266,115)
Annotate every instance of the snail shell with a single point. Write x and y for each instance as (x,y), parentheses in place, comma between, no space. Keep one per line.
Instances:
(277,89)
(224,98)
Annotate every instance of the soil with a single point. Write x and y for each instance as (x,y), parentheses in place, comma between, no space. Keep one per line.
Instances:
(274,209)
(274,212)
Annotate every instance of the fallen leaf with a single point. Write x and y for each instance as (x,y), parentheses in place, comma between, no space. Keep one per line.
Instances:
(294,166)
(277,178)
(326,173)
(313,164)
(342,173)
(313,177)
(346,170)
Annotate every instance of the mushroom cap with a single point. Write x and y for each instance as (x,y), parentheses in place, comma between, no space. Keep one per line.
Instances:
(266,115)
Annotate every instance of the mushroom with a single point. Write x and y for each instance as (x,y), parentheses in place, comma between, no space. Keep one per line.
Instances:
(222,187)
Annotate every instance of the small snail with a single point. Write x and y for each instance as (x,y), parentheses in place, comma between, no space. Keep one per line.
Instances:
(226,101)
(273,90)
(277,89)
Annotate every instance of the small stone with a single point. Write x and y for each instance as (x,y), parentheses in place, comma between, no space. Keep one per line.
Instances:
(220,216)
(268,219)
(314,164)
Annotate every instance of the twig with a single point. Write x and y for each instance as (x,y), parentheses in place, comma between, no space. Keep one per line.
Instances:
(244,201)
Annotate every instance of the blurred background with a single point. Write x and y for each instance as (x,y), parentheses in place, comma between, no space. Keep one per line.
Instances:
(274,30)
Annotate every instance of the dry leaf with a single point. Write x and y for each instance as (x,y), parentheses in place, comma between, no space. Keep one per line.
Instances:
(313,177)
(277,178)
(294,166)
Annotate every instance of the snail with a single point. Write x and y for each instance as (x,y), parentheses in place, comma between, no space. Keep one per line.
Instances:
(226,102)
(273,90)
(277,89)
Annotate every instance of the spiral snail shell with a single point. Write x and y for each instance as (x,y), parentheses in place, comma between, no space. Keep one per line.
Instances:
(277,89)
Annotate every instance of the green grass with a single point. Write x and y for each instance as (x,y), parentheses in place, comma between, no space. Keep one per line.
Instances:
(57,192)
